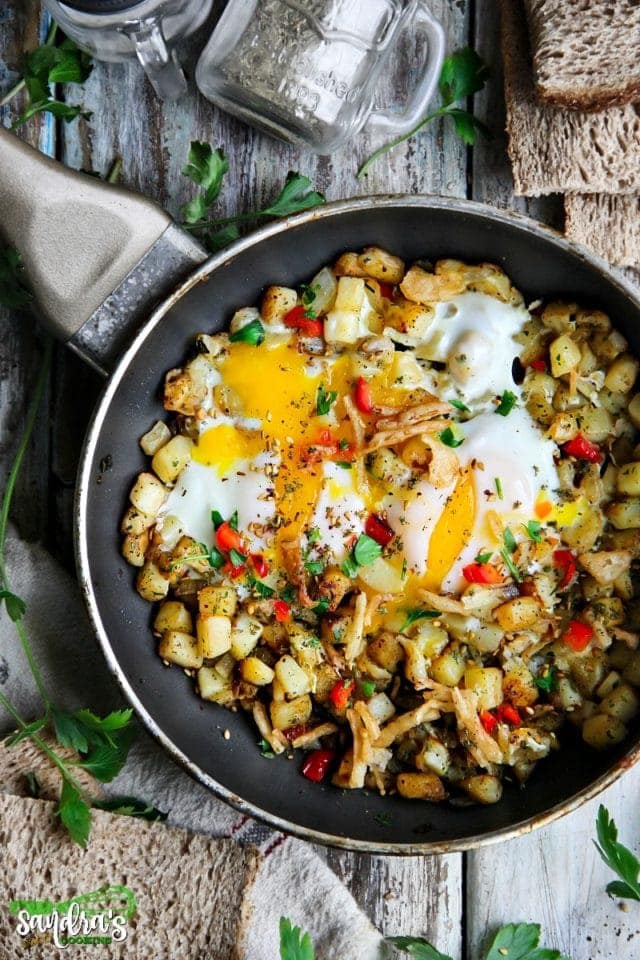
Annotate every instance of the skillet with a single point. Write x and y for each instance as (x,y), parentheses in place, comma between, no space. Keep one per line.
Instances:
(114,277)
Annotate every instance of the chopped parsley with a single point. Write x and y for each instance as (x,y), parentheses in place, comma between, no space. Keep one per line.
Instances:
(216,519)
(508,401)
(513,570)
(533,528)
(321,607)
(237,559)
(263,589)
(324,400)
(344,464)
(484,557)
(366,550)
(509,541)
(368,688)
(414,615)
(459,405)
(314,567)
(547,680)
(265,749)
(313,535)
(449,437)
(499,491)
(233,521)
(252,333)
(349,567)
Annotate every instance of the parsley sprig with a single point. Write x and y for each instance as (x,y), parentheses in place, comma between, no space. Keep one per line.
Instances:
(463,74)
(618,857)
(207,167)
(100,744)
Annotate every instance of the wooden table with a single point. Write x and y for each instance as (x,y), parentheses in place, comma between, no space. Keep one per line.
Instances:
(553,876)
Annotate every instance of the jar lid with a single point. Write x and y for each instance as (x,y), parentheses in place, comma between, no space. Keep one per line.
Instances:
(101,6)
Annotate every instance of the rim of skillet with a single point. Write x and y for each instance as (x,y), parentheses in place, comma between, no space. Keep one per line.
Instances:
(82,551)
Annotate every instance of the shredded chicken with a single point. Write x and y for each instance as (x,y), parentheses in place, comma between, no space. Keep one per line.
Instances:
(361,742)
(322,730)
(354,634)
(276,740)
(358,432)
(627,636)
(411,422)
(444,466)
(395,728)
(375,601)
(371,724)
(482,747)
(294,564)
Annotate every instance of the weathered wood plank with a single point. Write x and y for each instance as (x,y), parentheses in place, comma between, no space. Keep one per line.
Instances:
(20,27)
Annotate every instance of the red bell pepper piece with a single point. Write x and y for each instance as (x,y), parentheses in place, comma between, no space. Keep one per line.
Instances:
(227,538)
(281,610)
(298,319)
(294,316)
(317,764)
(260,565)
(567,562)
(378,529)
(363,398)
(340,693)
(539,365)
(583,449)
(578,635)
(231,571)
(488,721)
(481,573)
(507,713)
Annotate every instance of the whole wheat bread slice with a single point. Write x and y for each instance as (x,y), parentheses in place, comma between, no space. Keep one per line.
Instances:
(557,151)
(608,224)
(192,891)
(585,52)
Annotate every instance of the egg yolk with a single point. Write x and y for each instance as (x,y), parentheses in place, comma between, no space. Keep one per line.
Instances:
(452,532)
(221,447)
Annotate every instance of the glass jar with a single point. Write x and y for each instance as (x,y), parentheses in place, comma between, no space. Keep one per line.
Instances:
(121,29)
(307,70)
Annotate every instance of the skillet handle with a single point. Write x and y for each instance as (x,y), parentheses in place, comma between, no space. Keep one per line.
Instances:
(98,257)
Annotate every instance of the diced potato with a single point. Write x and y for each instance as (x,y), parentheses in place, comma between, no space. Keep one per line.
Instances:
(342,326)
(483,637)
(180,648)
(211,346)
(423,287)
(155,438)
(585,532)
(381,265)
(610,682)
(608,346)
(587,671)
(213,687)
(566,696)
(415,666)
(605,566)
(619,655)
(242,318)
(386,466)
(245,633)
(483,788)
(486,683)
(348,265)
(225,666)
(565,426)
(623,703)
(135,521)
(431,638)
(147,494)
(448,668)
(517,614)
(631,671)
(350,295)
(293,678)
(134,548)
(412,319)
(324,286)
(380,707)
(518,685)
(624,514)
(276,303)
(421,786)
(564,355)
(256,671)
(596,423)
(406,373)
(305,646)
(182,393)
(214,634)
(173,615)
(151,584)
(634,409)
(289,714)
(603,732)
(386,650)
(189,552)
(622,374)
(382,576)
(433,756)
(629,479)
(172,458)
(220,601)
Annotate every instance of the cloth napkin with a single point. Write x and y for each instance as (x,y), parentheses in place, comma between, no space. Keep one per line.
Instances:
(292,879)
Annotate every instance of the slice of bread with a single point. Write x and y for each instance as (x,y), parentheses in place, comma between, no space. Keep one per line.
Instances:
(585,52)
(558,151)
(191,892)
(608,224)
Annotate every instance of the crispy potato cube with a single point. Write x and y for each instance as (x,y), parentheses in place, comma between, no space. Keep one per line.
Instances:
(147,494)
(622,374)
(348,265)
(386,466)
(448,668)
(285,715)
(180,648)
(434,756)
(421,786)
(134,548)
(256,671)
(623,703)
(276,303)
(135,521)
(350,295)
(518,685)
(564,354)
(596,423)
(628,481)
(602,731)
(183,394)
(382,576)
(172,458)
(380,707)
(214,635)
(220,601)
(151,584)
(633,410)
(173,615)
(381,265)
(606,566)
(386,650)
(245,633)
(631,670)
(212,686)
(342,326)
(486,683)
(294,679)
(155,438)
(517,614)
(483,788)
(422,287)
(412,319)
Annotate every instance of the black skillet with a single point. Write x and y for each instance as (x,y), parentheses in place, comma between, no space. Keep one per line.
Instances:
(105,264)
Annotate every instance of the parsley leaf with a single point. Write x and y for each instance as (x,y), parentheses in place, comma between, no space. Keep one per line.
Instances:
(366,550)
(414,615)
(463,73)
(207,168)
(519,941)
(417,947)
(321,606)
(237,559)
(509,541)
(15,605)
(131,807)
(313,535)
(74,813)
(102,742)
(216,519)
(533,528)
(263,589)
(459,405)
(618,857)
(349,567)
(449,437)
(46,65)
(296,195)
(265,749)
(368,688)
(548,680)
(252,333)
(508,400)
(484,557)
(314,567)
(513,570)
(13,292)
(324,400)
(294,944)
